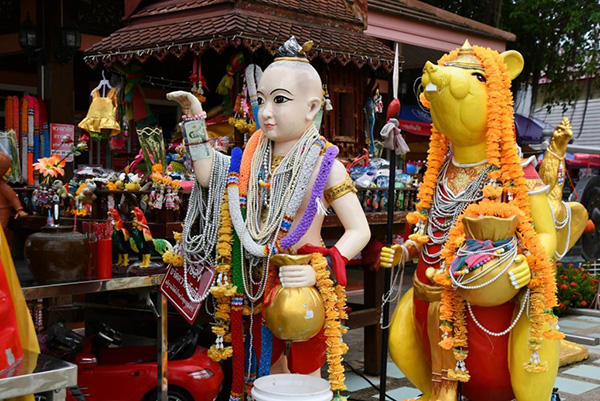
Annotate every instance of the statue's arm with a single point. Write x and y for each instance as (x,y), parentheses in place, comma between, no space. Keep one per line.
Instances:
(543,222)
(202,159)
(350,213)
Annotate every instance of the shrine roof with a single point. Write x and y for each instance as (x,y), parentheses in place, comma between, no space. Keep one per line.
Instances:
(176,28)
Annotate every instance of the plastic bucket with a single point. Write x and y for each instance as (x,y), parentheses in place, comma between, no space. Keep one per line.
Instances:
(291,387)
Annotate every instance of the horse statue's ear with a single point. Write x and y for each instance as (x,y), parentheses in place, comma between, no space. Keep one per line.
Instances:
(514,63)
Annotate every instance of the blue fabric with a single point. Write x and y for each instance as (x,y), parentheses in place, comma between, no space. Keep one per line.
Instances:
(236,160)
(266,351)
(255,112)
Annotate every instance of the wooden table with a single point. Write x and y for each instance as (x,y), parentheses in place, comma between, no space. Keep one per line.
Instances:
(367,314)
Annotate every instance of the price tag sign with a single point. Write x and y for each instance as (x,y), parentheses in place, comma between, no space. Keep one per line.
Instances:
(61,139)
(173,287)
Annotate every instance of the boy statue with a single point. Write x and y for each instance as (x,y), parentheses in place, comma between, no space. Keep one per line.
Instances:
(284,181)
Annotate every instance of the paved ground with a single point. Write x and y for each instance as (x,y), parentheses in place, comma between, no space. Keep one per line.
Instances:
(578,382)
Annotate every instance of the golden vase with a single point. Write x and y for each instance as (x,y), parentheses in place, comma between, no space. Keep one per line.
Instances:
(501,290)
(294,314)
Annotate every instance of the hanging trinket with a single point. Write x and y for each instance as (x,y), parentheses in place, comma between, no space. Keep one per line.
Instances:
(327,100)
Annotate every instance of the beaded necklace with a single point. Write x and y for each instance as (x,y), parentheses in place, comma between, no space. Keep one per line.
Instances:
(447,207)
(199,249)
(285,199)
(286,186)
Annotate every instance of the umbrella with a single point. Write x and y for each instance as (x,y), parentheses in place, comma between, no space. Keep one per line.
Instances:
(529,130)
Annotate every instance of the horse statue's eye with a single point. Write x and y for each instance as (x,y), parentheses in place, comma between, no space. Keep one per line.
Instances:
(480,77)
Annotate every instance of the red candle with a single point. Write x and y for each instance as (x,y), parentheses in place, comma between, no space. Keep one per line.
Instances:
(104,258)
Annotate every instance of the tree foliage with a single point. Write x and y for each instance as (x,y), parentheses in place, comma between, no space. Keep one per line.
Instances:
(559,39)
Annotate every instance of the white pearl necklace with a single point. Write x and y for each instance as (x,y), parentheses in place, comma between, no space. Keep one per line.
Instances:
(293,170)
(559,225)
(512,325)
(282,197)
(397,279)
(199,249)
(467,165)
(509,256)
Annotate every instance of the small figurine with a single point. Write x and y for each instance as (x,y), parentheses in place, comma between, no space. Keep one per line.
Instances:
(160,196)
(377,99)
(8,198)
(176,198)
(141,240)
(169,199)
(86,197)
(120,238)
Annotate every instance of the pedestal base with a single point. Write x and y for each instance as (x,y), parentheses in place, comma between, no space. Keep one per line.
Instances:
(571,352)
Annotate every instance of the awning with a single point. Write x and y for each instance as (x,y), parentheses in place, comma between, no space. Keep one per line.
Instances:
(178,36)
(415,120)
(420,24)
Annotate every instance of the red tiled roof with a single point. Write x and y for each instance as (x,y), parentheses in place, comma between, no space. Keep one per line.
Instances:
(337,10)
(418,10)
(238,27)
(171,6)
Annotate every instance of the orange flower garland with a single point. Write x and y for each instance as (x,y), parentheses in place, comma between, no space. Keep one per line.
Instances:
(335,311)
(502,154)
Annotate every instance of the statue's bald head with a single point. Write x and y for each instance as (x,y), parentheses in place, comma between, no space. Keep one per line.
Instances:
(289,97)
(303,73)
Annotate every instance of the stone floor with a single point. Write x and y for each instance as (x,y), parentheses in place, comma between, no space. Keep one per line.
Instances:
(578,382)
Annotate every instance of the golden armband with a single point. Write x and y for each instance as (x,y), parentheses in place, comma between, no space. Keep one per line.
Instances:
(339,190)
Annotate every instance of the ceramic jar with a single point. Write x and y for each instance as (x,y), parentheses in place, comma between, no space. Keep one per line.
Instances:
(56,254)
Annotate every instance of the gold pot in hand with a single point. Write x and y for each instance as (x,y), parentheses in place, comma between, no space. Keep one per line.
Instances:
(294,314)
(501,290)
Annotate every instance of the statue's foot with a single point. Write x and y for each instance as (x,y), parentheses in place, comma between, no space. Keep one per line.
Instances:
(448,393)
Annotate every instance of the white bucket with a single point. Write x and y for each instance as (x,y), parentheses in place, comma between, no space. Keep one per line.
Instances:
(291,387)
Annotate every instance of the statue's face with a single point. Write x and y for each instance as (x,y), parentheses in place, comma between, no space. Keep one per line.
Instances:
(284,104)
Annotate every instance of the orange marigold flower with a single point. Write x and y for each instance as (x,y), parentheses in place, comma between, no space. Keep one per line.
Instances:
(447,343)
(412,218)
(424,101)
(492,192)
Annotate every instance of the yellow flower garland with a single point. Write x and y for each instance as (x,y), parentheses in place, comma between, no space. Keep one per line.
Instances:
(503,156)
(226,290)
(334,299)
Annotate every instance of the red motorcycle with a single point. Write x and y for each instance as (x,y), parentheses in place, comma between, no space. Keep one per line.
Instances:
(107,372)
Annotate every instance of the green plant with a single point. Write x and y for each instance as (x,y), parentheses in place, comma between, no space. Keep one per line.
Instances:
(576,288)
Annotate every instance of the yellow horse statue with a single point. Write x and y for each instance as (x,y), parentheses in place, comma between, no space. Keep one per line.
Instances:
(483,218)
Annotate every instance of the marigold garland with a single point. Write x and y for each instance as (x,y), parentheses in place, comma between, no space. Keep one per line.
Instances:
(502,155)
(223,290)
(335,310)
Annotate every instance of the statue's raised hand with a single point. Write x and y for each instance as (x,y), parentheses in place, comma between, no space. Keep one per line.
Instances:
(189,103)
